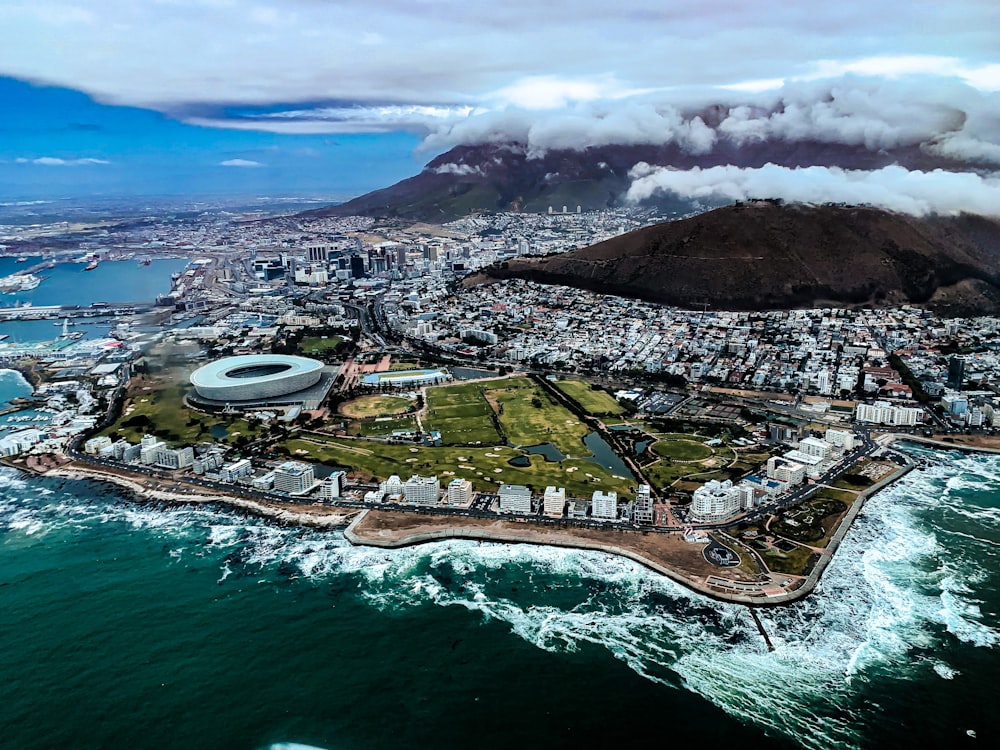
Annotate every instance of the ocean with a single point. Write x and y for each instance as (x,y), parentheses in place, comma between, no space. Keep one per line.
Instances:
(128,625)
(69,284)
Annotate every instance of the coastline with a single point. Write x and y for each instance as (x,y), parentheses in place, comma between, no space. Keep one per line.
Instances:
(282,513)
(629,546)
(653,550)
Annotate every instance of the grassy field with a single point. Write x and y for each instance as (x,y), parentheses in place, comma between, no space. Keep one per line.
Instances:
(461,413)
(794,562)
(318,345)
(156,406)
(368,460)
(596,402)
(530,416)
(382,428)
(374,406)
(663,474)
(403,365)
(682,450)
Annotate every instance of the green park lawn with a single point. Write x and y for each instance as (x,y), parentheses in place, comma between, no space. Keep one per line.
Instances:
(375,461)
(319,345)
(461,414)
(530,416)
(382,428)
(682,450)
(161,411)
(598,403)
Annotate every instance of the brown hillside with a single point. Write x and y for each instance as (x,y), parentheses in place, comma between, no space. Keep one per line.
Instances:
(764,255)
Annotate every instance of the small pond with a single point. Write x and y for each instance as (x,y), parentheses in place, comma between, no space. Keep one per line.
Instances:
(604,456)
(548,450)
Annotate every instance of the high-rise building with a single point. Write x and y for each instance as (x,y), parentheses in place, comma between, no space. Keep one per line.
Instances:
(815,447)
(357,266)
(332,487)
(422,490)
(174,458)
(515,498)
(293,477)
(604,505)
(715,501)
(642,511)
(956,373)
(393,487)
(232,472)
(459,492)
(554,501)
(841,438)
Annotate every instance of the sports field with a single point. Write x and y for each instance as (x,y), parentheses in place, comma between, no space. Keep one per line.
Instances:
(319,344)
(530,416)
(599,403)
(682,450)
(461,413)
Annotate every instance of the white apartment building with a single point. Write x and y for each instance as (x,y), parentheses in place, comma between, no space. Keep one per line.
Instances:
(293,477)
(147,453)
(332,487)
(642,511)
(95,445)
(784,470)
(422,490)
(265,482)
(840,438)
(554,501)
(393,487)
(815,447)
(515,498)
(232,472)
(882,412)
(459,492)
(174,458)
(715,501)
(604,506)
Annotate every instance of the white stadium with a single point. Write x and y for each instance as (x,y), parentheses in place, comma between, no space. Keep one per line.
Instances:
(255,377)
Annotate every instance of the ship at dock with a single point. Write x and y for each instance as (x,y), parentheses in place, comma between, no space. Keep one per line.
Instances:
(19,282)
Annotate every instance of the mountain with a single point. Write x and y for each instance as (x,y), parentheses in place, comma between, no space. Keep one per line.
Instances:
(767,255)
(506,177)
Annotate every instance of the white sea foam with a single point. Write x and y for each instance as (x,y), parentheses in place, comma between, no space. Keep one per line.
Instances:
(893,588)
(945,672)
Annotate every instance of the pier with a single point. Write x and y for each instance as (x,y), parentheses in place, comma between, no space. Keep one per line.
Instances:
(54,312)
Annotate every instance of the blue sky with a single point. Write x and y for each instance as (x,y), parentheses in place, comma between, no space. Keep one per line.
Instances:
(306,97)
(59,142)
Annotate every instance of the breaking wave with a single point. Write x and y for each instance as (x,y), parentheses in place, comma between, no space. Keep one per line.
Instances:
(904,580)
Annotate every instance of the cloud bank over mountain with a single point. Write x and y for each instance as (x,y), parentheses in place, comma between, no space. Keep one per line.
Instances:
(895,188)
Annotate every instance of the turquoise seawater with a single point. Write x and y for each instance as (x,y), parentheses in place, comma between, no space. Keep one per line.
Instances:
(13,385)
(125,625)
(69,284)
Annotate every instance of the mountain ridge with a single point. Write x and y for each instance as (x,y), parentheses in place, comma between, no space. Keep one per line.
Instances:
(508,177)
(769,255)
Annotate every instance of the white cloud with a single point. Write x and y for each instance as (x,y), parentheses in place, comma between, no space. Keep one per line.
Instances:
(459,52)
(54,161)
(940,116)
(240,163)
(458,169)
(894,188)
